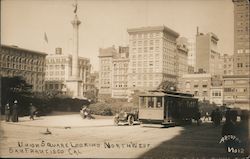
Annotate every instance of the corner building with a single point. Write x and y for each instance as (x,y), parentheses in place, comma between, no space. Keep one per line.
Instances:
(29,64)
(152,58)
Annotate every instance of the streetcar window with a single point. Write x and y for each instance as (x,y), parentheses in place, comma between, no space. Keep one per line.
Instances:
(150,102)
(158,102)
(143,102)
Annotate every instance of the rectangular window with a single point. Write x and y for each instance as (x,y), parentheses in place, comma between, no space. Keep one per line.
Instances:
(150,102)
(158,102)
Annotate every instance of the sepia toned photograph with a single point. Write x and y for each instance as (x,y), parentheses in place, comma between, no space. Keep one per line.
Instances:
(125,79)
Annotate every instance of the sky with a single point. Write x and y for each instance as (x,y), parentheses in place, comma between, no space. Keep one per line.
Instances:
(104,23)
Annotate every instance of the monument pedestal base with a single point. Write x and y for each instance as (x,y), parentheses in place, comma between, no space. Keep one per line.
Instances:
(75,87)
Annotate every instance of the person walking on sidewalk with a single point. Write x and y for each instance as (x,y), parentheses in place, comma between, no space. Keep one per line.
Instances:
(7,112)
(15,112)
(32,111)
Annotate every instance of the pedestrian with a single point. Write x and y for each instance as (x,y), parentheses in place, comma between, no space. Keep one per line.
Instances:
(7,112)
(229,129)
(243,133)
(15,112)
(32,111)
(212,116)
(217,117)
(197,118)
(206,116)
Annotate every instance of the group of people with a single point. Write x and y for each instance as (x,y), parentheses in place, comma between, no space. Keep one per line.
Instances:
(85,113)
(216,117)
(12,111)
(238,130)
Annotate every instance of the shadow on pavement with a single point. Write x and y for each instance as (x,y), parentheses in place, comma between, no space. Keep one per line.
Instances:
(193,142)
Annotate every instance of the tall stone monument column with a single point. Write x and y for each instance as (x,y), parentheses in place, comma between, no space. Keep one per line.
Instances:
(74,83)
(75,69)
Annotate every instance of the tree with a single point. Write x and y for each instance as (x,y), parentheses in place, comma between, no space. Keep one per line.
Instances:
(167,86)
(13,88)
(92,94)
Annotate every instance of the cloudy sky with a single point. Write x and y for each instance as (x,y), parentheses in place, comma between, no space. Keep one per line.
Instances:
(105,22)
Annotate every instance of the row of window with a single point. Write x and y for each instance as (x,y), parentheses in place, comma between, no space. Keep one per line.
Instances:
(241,51)
(144,35)
(145,49)
(146,43)
(22,67)
(188,85)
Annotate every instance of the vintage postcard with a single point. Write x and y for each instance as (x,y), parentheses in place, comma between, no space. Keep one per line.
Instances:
(124,79)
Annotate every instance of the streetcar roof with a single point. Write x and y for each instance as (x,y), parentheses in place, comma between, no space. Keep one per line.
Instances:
(161,94)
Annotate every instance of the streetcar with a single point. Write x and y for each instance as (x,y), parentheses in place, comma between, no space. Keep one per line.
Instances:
(167,108)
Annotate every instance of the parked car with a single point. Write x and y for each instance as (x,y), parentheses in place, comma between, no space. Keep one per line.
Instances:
(126,117)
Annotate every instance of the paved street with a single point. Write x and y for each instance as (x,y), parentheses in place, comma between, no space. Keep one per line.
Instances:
(71,136)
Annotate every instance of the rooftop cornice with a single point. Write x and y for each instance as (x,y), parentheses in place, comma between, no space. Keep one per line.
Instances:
(22,49)
(153,28)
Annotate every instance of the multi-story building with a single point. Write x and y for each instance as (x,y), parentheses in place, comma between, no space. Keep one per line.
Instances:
(228,62)
(106,56)
(191,52)
(197,84)
(237,91)
(207,55)
(241,37)
(182,57)
(16,61)
(152,57)
(94,79)
(120,74)
(59,71)
(216,92)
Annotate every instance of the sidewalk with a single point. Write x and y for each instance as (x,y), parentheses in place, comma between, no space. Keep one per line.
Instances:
(62,121)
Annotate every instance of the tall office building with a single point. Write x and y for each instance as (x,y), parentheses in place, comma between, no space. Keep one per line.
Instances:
(182,56)
(152,57)
(241,37)
(16,61)
(105,70)
(191,45)
(113,74)
(120,73)
(207,55)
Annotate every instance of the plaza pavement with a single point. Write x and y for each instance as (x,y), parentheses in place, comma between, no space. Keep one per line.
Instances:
(63,121)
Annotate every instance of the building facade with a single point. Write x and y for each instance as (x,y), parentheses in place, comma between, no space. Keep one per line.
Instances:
(152,58)
(120,74)
(182,57)
(237,91)
(59,71)
(106,56)
(16,61)
(216,92)
(207,55)
(228,63)
(191,52)
(241,37)
(197,84)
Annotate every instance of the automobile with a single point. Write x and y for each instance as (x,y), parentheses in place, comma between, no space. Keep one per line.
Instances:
(126,117)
